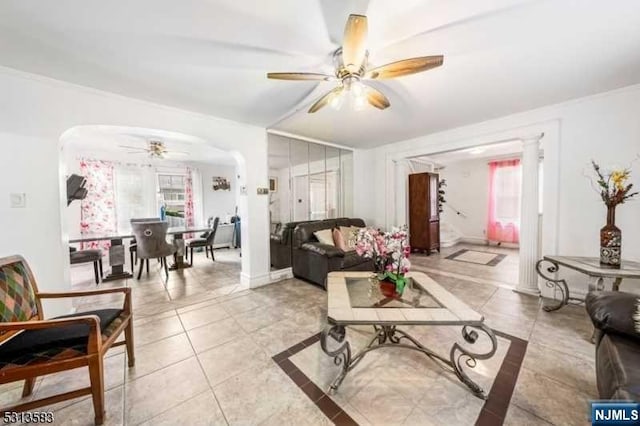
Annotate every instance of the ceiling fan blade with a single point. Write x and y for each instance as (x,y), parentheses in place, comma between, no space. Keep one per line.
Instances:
(136,152)
(299,76)
(354,45)
(405,67)
(325,99)
(132,147)
(377,98)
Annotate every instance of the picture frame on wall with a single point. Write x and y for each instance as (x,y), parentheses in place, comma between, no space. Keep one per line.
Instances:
(273,184)
(220,183)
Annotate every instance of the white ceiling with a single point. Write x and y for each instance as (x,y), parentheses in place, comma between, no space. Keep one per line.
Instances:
(111,142)
(211,56)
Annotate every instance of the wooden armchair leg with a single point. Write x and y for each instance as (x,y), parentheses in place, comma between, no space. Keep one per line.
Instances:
(96,376)
(128,337)
(28,386)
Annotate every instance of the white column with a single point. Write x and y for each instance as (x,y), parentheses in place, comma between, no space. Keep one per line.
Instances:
(527,275)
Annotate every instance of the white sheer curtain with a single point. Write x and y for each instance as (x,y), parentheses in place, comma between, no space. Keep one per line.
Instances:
(198,203)
(135,194)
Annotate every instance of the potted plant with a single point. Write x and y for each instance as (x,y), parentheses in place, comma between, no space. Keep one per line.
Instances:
(389,252)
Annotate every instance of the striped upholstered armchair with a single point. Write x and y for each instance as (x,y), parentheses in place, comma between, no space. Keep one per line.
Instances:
(31,346)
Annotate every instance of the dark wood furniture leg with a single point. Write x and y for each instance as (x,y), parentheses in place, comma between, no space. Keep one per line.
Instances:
(28,386)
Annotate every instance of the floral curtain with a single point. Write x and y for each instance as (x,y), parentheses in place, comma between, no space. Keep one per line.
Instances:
(97,210)
(188,201)
(504,201)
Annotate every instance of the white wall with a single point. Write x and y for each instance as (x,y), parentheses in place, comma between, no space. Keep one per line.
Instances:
(467,191)
(604,127)
(36,111)
(218,203)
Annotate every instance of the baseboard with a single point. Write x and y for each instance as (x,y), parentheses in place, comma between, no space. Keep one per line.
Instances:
(281,274)
(255,281)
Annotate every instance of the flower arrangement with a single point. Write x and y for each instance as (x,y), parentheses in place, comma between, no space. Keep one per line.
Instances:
(613,186)
(614,189)
(389,252)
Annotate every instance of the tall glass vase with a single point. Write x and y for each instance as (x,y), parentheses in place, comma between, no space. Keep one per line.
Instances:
(610,241)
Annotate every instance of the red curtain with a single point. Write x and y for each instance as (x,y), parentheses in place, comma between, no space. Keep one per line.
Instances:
(504,201)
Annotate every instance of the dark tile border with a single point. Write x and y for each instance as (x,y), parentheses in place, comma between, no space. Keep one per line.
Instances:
(493,411)
(323,401)
(497,259)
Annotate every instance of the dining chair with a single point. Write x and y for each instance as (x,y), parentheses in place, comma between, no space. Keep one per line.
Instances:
(132,244)
(152,243)
(207,242)
(77,257)
(31,346)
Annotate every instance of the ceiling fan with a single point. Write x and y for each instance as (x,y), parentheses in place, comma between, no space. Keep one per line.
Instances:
(155,149)
(352,67)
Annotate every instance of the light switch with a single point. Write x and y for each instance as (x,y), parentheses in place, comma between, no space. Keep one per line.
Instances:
(18,200)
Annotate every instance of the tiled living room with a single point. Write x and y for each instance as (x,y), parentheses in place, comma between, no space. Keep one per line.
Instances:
(319,212)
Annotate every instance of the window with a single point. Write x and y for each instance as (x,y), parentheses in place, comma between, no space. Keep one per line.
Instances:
(131,195)
(172,191)
(504,201)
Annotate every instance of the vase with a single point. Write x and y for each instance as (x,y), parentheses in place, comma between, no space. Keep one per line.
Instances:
(610,241)
(390,286)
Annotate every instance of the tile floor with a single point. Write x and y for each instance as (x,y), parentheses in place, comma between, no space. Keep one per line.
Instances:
(204,346)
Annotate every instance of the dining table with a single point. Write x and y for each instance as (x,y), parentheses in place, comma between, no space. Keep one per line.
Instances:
(117,257)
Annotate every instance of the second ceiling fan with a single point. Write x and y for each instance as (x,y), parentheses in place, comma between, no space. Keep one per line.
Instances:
(351,62)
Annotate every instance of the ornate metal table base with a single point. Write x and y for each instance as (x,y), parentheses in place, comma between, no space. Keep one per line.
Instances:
(390,336)
(561,285)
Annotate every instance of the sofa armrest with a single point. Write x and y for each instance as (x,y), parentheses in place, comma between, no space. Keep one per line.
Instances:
(322,249)
(613,311)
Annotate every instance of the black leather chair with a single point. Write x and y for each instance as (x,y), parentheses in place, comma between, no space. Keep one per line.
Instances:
(617,344)
(281,245)
(85,256)
(312,261)
(207,242)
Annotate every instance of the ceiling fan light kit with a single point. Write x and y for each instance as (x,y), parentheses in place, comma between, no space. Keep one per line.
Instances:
(351,63)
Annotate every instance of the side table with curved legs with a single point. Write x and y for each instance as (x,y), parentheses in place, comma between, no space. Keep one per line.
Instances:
(549,266)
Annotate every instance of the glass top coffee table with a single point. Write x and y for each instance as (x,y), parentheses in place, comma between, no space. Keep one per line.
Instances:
(355,299)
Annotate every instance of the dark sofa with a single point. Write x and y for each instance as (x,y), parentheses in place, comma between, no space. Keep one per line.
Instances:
(617,344)
(281,245)
(312,261)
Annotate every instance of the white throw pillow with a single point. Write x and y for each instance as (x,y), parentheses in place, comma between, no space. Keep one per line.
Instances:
(325,236)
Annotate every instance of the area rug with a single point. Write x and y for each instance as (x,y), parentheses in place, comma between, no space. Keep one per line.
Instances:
(392,385)
(478,257)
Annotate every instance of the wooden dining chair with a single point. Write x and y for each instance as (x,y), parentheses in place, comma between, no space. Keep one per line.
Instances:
(31,346)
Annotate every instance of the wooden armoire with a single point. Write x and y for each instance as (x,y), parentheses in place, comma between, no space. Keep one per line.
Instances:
(424,214)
